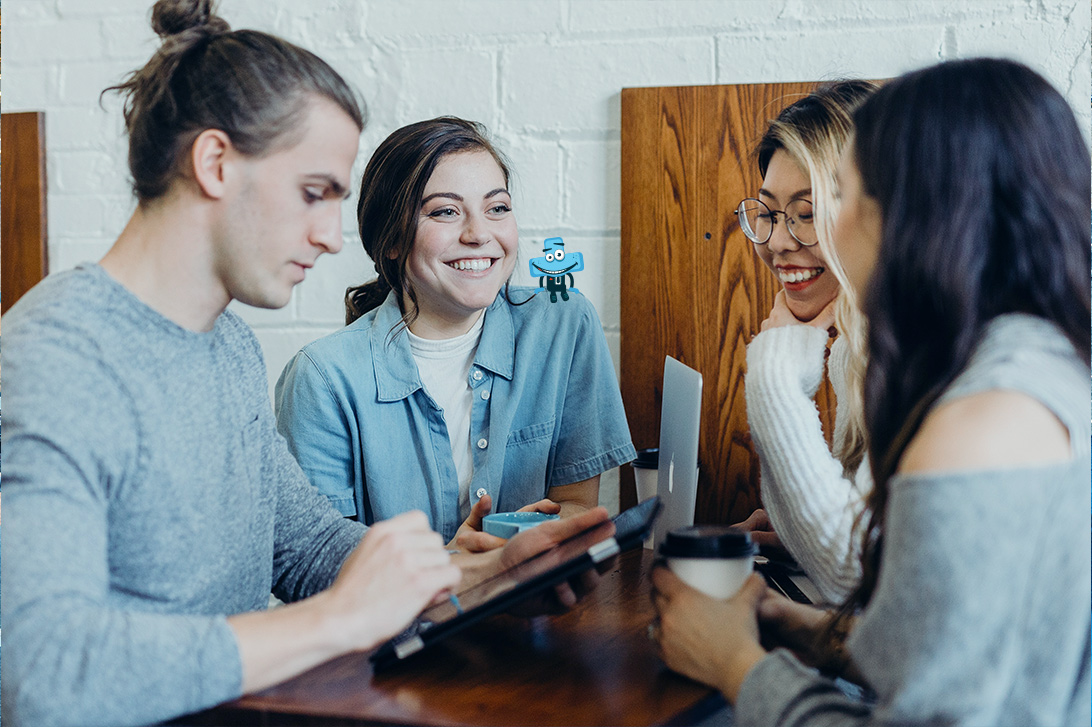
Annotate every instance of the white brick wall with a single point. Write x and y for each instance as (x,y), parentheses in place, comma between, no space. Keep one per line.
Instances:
(544,75)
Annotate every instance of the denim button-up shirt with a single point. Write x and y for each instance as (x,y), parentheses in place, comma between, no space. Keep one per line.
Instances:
(546,411)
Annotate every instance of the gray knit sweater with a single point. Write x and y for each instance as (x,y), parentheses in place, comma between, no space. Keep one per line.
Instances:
(982,612)
(149,495)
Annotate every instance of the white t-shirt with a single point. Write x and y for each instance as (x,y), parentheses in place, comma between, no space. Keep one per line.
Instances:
(444,366)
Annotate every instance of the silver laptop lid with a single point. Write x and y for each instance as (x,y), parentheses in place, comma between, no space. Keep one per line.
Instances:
(680,426)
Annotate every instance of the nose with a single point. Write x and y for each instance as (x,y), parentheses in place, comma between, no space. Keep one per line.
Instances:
(475,230)
(781,240)
(326,231)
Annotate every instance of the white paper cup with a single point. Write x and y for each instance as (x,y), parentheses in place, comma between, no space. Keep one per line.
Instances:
(715,559)
(646,482)
(646,475)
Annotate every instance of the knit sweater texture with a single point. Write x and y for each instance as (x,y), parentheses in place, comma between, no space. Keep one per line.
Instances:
(149,496)
(812,505)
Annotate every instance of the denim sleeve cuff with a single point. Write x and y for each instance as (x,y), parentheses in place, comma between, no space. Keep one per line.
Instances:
(597,465)
(344,505)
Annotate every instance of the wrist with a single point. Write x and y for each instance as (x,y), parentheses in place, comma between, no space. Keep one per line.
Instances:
(326,626)
(741,664)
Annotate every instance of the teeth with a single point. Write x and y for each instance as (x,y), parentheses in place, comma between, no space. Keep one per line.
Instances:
(798,276)
(472,264)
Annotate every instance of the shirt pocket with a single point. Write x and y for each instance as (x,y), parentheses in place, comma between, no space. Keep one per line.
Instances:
(527,458)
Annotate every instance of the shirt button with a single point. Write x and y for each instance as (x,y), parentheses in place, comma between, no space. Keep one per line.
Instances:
(477,375)
(483,443)
(485,394)
(481,493)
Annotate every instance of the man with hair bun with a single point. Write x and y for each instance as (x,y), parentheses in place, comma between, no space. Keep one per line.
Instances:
(152,506)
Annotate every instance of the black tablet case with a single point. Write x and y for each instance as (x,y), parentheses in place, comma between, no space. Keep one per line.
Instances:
(533,576)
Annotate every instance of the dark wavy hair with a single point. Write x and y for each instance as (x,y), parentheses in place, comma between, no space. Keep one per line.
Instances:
(981,174)
(251,85)
(390,198)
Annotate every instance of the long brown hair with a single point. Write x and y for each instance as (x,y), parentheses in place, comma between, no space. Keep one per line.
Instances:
(251,85)
(980,171)
(390,198)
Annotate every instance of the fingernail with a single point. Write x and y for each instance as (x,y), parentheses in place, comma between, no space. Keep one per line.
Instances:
(832,331)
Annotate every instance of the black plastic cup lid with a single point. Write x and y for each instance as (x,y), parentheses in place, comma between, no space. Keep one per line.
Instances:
(648,459)
(707,541)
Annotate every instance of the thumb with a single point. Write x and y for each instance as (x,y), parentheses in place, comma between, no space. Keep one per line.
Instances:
(753,590)
(480,509)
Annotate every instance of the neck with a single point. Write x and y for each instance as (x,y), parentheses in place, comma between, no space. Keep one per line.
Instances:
(434,326)
(164,257)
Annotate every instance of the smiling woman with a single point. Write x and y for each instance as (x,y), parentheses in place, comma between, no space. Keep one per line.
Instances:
(442,394)
(810,492)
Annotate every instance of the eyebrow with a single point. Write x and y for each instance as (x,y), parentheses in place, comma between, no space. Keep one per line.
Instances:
(330,181)
(459,197)
(796,195)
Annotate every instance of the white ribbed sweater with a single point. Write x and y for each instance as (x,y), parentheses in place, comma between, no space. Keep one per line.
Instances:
(811,504)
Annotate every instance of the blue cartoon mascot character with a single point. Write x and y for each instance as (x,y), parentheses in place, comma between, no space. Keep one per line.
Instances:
(554,267)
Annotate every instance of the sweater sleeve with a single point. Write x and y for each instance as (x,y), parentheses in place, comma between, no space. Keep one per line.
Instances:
(75,657)
(980,615)
(311,538)
(811,504)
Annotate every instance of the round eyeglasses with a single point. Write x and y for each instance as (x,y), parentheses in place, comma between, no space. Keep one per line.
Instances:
(757,221)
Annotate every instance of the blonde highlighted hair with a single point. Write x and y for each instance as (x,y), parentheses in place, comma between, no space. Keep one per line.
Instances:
(813,131)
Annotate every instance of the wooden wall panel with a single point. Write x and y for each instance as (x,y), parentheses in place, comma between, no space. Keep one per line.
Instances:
(23,256)
(691,286)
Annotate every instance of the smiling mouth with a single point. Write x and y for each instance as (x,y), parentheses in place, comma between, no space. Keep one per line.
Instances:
(552,272)
(799,275)
(476,264)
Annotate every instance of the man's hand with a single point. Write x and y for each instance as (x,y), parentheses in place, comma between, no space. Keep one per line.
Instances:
(399,568)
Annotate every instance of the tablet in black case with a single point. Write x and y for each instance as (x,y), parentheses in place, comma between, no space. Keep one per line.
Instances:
(520,582)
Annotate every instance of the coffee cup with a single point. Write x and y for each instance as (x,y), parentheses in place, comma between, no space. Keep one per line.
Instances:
(645,472)
(715,559)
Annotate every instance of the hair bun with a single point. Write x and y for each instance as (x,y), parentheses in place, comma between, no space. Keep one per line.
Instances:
(172,17)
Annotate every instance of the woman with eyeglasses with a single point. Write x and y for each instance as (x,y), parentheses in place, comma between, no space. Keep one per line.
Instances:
(810,495)
(964,229)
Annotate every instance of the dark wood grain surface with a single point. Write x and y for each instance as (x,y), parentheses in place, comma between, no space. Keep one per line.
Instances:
(691,286)
(23,256)
(591,666)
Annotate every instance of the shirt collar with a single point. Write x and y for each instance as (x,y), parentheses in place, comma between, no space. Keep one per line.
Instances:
(396,375)
(497,350)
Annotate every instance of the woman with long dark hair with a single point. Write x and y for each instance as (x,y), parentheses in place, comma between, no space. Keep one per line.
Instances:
(965,229)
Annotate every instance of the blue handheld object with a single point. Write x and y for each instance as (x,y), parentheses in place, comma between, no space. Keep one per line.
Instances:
(507,524)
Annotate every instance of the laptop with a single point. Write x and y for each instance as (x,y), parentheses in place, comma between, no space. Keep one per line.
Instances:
(680,427)
(677,477)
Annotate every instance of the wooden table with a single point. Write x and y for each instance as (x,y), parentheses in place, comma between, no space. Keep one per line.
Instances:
(591,666)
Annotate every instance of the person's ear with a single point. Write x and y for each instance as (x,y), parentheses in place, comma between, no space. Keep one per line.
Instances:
(208,155)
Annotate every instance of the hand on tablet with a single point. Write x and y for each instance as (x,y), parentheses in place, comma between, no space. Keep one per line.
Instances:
(399,568)
(543,537)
